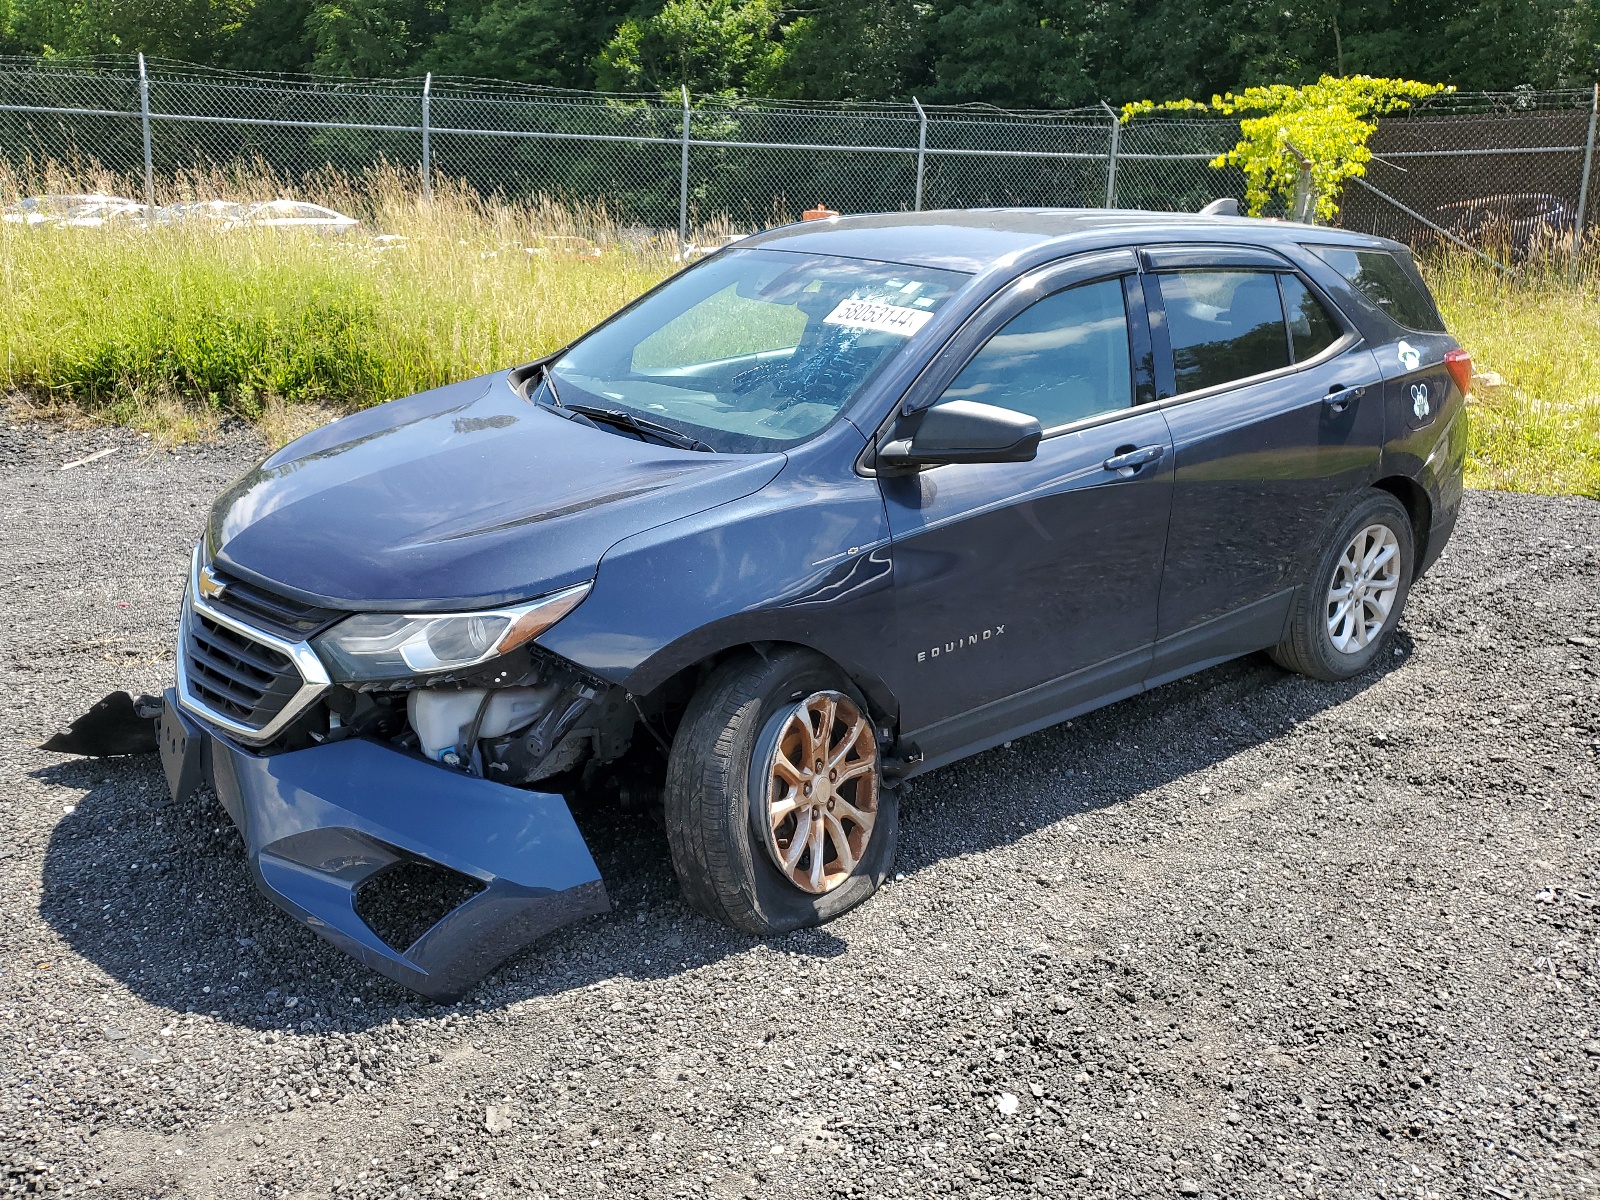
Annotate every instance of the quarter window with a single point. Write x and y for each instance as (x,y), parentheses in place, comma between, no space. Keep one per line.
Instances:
(1224,325)
(1061,359)
(1382,278)
(1311,329)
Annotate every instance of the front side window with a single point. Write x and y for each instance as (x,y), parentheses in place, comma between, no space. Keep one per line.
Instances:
(1224,325)
(1380,277)
(753,350)
(1061,360)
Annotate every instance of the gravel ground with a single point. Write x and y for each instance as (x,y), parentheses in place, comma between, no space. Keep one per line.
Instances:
(1246,936)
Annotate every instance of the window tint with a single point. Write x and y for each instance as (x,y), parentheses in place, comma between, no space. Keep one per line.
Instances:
(1062,359)
(1224,325)
(1380,277)
(724,325)
(1311,328)
(754,350)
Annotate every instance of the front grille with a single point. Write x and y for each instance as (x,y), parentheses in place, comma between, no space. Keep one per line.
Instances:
(237,676)
(289,618)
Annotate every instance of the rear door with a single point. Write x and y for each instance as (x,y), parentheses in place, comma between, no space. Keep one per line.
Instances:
(1416,385)
(1277,415)
(1022,589)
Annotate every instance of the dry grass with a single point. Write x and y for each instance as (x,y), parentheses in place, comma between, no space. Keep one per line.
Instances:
(174,329)
(170,328)
(1540,332)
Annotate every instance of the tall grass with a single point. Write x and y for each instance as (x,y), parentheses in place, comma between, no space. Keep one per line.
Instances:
(169,328)
(138,323)
(1539,430)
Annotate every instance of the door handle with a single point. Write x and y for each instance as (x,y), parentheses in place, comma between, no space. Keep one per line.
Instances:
(1128,459)
(1339,397)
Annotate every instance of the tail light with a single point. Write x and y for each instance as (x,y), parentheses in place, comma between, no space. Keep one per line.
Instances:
(1459,364)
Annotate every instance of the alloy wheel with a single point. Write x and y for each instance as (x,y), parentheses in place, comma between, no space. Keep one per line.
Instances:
(1366,582)
(822,792)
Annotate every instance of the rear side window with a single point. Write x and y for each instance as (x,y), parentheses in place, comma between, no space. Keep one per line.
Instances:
(1311,329)
(1224,325)
(1060,359)
(1382,278)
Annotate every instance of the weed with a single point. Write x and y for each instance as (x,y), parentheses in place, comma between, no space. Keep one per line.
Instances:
(137,323)
(173,328)
(1539,429)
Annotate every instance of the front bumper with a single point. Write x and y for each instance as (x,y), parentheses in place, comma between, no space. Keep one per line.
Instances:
(320,823)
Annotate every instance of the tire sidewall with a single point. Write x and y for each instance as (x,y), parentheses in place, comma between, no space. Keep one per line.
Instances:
(1377,509)
(782,905)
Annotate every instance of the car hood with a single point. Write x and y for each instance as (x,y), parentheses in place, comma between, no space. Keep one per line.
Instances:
(463,497)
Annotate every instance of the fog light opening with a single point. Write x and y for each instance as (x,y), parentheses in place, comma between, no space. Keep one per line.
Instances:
(404,901)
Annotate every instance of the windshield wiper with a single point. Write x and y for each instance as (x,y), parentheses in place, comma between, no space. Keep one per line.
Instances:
(650,431)
(550,382)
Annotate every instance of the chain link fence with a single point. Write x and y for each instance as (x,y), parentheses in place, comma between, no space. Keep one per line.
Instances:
(1497,170)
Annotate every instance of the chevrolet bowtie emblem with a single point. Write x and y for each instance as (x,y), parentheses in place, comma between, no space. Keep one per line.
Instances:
(211,587)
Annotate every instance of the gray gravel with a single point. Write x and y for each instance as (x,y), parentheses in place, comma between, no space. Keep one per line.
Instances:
(1246,936)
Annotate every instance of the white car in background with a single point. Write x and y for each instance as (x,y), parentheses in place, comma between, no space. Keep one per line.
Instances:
(64,210)
(225,211)
(86,211)
(296,214)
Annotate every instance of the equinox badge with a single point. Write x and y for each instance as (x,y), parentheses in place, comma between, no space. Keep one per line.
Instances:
(961,643)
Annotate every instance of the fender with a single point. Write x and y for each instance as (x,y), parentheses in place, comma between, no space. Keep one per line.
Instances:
(804,560)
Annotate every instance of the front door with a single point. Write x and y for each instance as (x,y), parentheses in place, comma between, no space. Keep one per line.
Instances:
(1024,590)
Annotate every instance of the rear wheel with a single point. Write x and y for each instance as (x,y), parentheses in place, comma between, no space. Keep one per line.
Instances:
(776,814)
(1350,605)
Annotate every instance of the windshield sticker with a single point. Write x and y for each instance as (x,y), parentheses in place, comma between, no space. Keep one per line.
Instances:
(1410,356)
(884,318)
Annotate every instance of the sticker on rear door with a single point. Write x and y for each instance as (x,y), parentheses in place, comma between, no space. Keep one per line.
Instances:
(1410,356)
(883,318)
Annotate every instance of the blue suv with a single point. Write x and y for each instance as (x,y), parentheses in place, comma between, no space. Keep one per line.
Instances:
(838,505)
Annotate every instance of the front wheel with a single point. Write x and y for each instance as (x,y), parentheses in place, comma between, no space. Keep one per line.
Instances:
(776,813)
(1350,605)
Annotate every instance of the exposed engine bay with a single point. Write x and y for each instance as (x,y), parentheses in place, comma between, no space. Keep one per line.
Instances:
(527,722)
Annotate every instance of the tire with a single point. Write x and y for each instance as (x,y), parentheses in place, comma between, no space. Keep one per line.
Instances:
(717,796)
(1318,643)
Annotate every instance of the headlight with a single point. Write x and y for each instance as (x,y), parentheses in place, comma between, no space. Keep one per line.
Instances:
(371,646)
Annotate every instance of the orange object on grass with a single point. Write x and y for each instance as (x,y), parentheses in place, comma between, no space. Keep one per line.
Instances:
(820,213)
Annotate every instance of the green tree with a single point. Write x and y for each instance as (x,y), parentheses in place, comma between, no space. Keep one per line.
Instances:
(1014,53)
(722,46)
(549,42)
(857,50)
(275,35)
(192,30)
(373,38)
(1304,142)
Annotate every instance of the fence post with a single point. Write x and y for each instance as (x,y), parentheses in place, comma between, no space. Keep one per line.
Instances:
(1583,188)
(144,119)
(683,183)
(1111,156)
(922,150)
(427,148)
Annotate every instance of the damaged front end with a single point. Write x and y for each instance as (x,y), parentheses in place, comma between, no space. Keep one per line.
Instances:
(362,754)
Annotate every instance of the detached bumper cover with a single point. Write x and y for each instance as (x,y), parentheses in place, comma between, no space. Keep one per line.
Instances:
(319,823)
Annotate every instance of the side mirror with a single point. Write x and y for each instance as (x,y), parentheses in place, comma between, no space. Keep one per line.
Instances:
(963,431)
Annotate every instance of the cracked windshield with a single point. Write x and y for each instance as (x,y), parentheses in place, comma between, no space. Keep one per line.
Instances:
(754,350)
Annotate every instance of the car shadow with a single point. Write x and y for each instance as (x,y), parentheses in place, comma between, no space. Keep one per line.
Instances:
(157,895)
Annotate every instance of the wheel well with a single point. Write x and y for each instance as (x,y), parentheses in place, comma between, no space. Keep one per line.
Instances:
(1418,507)
(668,700)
